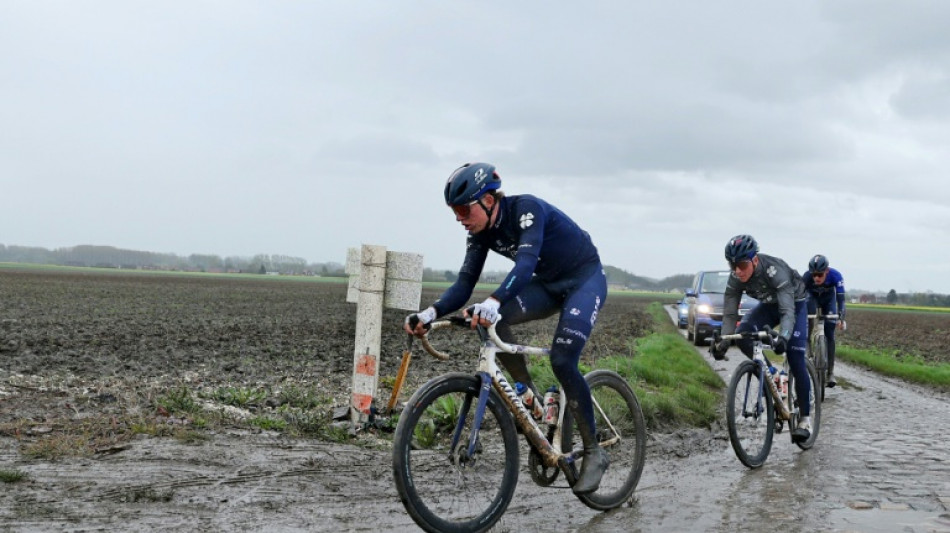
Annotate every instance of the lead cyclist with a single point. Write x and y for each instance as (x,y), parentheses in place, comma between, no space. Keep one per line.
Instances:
(557,270)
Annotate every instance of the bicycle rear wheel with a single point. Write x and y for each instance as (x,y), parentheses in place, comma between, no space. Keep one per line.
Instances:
(814,393)
(750,415)
(440,485)
(621,431)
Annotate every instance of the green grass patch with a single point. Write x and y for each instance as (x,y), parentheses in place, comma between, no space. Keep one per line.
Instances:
(242,397)
(267,423)
(58,446)
(179,400)
(673,382)
(8,475)
(909,368)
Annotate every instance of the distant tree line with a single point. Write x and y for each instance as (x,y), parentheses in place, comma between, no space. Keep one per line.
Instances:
(111,257)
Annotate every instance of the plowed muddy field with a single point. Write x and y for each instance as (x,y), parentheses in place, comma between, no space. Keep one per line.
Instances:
(905,333)
(90,360)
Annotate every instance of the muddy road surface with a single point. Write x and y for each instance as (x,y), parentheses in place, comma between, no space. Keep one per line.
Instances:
(881,465)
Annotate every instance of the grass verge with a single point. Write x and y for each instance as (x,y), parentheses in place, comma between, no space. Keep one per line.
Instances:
(909,368)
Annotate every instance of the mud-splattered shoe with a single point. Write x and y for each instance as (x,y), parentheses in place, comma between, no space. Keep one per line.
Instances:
(803,431)
(593,468)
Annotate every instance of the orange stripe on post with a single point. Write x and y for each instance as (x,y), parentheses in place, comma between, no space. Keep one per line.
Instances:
(362,402)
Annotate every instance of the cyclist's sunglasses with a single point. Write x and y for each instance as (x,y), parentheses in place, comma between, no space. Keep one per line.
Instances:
(817,275)
(463,211)
(740,265)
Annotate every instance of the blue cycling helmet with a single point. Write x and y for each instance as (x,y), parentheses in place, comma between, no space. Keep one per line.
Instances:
(819,263)
(741,248)
(470,182)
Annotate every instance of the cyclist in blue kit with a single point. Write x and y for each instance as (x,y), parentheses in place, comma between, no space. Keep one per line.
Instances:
(556,270)
(783,301)
(825,287)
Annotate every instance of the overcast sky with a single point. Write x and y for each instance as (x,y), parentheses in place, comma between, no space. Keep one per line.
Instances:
(306,128)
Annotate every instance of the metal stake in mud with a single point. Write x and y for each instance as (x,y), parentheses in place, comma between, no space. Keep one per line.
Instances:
(377,278)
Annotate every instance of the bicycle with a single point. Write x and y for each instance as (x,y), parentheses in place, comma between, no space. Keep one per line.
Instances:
(818,347)
(456,453)
(754,402)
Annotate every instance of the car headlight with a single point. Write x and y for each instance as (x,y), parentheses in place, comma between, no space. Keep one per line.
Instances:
(703,308)
(684,311)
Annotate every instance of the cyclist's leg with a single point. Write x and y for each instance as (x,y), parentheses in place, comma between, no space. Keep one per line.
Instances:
(533,303)
(578,315)
(830,306)
(796,352)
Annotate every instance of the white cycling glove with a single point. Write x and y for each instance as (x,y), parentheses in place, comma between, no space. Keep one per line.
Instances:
(487,310)
(425,316)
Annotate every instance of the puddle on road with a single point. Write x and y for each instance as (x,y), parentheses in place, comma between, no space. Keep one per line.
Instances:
(889,521)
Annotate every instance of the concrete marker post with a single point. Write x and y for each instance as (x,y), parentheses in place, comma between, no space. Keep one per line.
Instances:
(377,277)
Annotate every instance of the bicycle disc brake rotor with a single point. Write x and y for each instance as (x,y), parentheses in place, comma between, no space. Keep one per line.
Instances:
(542,475)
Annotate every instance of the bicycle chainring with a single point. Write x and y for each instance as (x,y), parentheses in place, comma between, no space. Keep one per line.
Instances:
(544,476)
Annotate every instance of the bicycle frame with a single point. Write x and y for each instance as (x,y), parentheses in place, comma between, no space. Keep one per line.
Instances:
(491,376)
(758,357)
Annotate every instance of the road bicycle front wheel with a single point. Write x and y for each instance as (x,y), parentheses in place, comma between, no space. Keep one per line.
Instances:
(820,356)
(621,431)
(442,485)
(814,406)
(750,415)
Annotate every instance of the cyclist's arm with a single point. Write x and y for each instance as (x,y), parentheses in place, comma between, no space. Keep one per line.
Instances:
(529,250)
(459,292)
(840,295)
(785,295)
(730,307)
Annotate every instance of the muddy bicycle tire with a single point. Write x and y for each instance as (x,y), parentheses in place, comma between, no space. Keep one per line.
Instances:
(751,424)
(815,392)
(440,487)
(619,403)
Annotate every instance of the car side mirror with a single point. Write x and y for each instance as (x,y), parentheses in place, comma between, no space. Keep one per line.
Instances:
(690,293)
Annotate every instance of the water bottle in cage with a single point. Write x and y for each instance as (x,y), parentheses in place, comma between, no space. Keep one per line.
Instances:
(783,383)
(551,399)
(529,400)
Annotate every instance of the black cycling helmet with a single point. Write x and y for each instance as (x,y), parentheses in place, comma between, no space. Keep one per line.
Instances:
(470,182)
(741,248)
(819,263)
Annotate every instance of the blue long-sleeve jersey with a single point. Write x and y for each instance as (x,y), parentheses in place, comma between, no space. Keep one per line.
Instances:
(537,236)
(834,281)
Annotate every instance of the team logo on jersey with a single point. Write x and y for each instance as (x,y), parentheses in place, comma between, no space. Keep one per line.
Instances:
(771,271)
(575,311)
(527,220)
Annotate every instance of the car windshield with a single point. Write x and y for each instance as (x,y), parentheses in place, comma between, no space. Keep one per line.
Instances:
(715,282)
